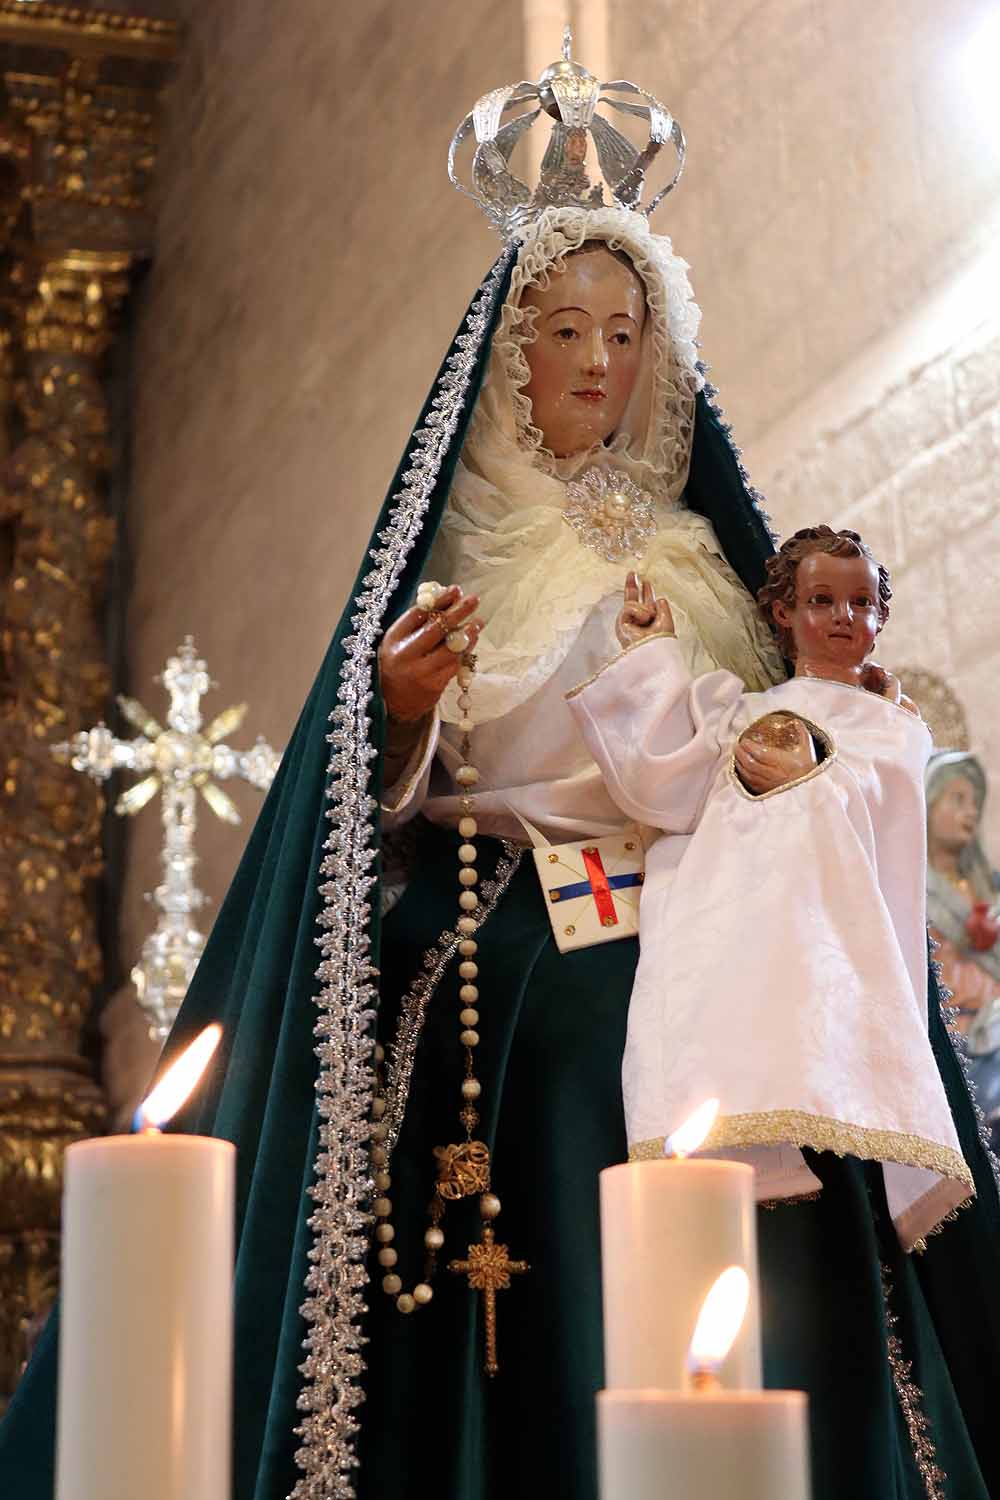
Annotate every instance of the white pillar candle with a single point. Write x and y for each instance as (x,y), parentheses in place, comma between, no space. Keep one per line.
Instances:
(668,1229)
(719,1445)
(145,1352)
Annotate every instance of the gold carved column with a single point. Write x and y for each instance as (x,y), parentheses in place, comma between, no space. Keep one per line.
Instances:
(77,147)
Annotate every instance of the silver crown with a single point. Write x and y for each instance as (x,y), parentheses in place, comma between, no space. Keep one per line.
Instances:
(570,94)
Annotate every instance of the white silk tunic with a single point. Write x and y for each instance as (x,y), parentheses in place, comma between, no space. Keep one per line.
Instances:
(783,964)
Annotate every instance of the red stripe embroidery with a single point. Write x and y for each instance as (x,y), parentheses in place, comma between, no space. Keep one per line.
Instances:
(599,885)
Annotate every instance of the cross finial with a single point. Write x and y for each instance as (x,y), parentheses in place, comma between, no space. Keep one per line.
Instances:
(567,46)
(179,762)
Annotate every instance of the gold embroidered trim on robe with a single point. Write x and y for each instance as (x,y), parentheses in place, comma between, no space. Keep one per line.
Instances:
(657,635)
(797,1127)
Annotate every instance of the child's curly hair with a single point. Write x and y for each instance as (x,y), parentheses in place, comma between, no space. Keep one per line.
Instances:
(783,567)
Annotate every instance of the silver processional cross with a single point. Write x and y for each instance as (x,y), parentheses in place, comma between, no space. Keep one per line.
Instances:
(179,761)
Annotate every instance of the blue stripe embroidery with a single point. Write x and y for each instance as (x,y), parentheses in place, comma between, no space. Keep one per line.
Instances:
(584,888)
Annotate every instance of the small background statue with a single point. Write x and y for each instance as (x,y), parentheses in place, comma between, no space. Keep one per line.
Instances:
(962,910)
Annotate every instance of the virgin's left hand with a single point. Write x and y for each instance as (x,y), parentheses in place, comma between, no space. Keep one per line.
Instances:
(876,679)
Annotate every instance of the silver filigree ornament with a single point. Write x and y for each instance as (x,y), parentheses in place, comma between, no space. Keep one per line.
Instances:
(571,96)
(610,513)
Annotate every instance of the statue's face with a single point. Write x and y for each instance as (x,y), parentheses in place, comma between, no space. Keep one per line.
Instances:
(836,615)
(954,817)
(584,358)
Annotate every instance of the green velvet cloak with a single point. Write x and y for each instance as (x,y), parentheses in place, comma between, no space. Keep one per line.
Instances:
(291,1086)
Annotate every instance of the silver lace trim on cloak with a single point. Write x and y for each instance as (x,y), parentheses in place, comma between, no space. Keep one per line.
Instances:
(335,1282)
(911,1401)
(949,1014)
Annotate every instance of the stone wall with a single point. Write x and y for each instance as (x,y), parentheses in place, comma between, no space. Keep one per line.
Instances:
(837,168)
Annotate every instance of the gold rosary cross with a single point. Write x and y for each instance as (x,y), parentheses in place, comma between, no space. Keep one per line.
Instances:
(489,1269)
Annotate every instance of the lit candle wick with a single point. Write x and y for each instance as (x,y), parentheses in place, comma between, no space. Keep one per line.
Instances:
(719,1321)
(689,1136)
(176,1084)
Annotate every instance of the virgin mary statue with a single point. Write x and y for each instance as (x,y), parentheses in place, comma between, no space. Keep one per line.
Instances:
(422,1077)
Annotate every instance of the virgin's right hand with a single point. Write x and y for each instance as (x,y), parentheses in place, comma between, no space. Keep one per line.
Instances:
(415,665)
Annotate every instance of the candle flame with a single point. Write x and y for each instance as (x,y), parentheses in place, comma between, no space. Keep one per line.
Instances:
(719,1321)
(178,1081)
(689,1136)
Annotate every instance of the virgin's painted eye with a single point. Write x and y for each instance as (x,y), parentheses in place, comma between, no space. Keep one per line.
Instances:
(820,599)
(622,338)
(566,334)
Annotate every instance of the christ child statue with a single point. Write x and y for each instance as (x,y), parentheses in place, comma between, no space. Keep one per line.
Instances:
(783,949)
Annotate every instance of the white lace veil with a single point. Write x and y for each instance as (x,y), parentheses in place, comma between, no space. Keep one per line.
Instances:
(503,534)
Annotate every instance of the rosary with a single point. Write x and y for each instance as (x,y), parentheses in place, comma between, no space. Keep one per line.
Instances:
(463,1169)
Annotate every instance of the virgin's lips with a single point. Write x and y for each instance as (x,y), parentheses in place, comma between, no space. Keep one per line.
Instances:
(591,394)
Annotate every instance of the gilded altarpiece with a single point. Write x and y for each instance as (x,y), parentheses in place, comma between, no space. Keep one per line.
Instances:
(81,93)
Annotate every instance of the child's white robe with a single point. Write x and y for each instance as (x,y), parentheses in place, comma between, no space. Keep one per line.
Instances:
(783,963)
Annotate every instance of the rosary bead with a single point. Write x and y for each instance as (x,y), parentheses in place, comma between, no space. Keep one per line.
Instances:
(468,1016)
(471,1089)
(469,1038)
(464,676)
(382,1208)
(466,947)
(379,1132)
(466,725)
(384,1233)
(379,1156)
(464,701)
(434,1237)
(457,641)
(489,1205)
(429,589)
(468,900)
(383,1181)
(467,853)
(422,1293)
(469,994)
(466,924)
(468,827)
(468,970)
(378,1107)
(467,875)
(387,1256)
(405,1303)
(379,1052)
(466,775)
(392,1284)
